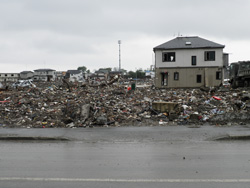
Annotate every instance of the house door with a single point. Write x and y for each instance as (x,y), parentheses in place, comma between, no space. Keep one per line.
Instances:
(49,78)
(209,78)
(164,78)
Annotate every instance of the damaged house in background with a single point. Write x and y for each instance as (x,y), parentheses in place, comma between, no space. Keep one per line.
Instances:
(25,75)
(44,75)
(74,75)
(9,77)
(186,62)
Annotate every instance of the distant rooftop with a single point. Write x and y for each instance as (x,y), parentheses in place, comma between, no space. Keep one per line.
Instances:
(74,71)
(188,43)
(42,70)
(26,72)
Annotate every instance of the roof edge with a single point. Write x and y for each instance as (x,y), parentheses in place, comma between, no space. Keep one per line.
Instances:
(154,49)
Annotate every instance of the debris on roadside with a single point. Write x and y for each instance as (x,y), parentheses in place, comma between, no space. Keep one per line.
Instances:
(23,83)
(108,103)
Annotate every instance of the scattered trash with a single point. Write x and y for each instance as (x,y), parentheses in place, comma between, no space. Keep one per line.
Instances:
(23,83)
(107,103)
(217,98)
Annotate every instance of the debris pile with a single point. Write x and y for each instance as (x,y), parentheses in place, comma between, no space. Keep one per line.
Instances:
(109,103)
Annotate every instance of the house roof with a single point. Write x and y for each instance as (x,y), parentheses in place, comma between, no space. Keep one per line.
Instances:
(26,72)
(42,70)
(74,71)
(188,43)
(102,71)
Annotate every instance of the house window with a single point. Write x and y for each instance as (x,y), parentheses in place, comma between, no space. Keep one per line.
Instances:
(210,56)
(164,78)
(12,74)
(176,76)
(218,75)
(193,60)
(6,75)
(198,78)
(168,57)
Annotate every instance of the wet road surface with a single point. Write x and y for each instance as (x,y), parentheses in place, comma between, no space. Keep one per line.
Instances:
(126,157)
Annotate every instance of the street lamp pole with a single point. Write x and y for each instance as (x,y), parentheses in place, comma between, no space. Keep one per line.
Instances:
(119,42)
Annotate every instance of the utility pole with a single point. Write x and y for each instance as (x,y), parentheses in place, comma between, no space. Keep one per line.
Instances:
(119,42)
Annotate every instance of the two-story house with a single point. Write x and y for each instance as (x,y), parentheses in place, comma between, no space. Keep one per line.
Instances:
(44,75)
(189,62)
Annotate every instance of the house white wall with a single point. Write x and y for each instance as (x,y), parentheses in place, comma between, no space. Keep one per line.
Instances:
(183,58)
(9,77)
(188,77)
(27,75)
(76,77)
(43,75)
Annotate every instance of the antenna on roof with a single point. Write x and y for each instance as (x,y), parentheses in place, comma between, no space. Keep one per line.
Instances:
(179,34)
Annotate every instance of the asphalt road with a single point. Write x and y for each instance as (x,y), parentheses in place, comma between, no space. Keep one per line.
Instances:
(125,157)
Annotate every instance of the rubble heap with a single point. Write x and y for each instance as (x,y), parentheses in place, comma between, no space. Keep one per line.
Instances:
(63,104)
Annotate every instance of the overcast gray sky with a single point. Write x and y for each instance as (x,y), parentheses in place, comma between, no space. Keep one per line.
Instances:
(66,34)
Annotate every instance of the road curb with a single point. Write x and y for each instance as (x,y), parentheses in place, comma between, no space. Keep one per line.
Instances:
(232,137)
(21,138)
